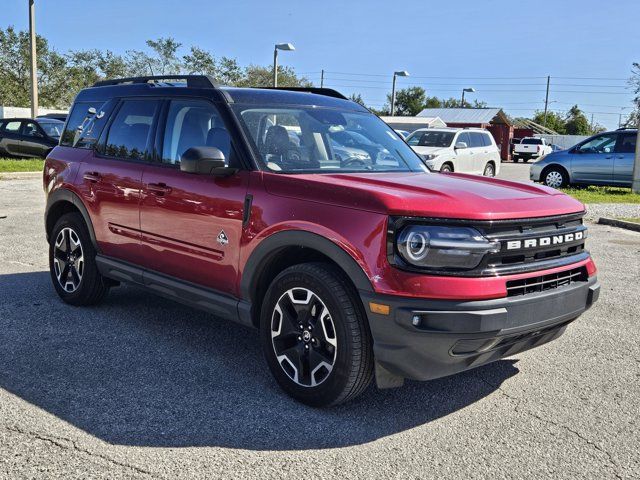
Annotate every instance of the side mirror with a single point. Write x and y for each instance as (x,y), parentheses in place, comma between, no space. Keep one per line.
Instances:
(205,161)
(461,145)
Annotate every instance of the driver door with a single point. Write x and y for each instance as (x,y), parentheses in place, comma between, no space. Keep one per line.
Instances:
(592,162)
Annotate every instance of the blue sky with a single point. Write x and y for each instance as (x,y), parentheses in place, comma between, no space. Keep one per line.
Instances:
(504,49)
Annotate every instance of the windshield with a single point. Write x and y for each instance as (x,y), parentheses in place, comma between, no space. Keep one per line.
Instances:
(431,139)
(53,129)
(301,139)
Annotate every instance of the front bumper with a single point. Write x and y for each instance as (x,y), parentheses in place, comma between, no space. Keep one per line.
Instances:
(423,339)
(535,170)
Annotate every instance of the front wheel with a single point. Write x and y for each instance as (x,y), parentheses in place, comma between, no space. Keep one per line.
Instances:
(555,178)
(315,337)
(446,168)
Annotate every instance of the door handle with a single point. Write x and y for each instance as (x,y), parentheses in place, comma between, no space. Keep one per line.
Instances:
(158,189)
(609,157)
(92,177)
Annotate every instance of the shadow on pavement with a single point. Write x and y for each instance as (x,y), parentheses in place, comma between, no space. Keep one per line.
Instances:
(143,371)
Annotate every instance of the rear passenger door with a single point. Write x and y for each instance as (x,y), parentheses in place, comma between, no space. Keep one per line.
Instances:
(191,225)
(10,137)
(624,158)
(110,177)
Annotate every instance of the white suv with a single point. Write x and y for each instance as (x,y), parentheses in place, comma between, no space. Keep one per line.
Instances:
(468,150)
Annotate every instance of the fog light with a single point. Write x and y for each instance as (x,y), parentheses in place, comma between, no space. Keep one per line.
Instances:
(415,320)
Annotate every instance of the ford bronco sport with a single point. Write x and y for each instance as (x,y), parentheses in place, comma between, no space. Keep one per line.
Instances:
(233,200)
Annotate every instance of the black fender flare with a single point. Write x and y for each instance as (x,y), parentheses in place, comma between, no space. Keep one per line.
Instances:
(65,195)
(299,238)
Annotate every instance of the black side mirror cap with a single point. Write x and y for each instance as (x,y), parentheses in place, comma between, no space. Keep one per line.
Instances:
(205,161)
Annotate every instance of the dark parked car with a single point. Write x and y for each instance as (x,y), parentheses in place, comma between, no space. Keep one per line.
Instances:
(25,137)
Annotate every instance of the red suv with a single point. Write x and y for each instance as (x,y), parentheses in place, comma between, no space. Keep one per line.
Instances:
(302,214)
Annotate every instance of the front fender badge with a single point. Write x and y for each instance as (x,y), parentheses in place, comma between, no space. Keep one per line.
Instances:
(222,238)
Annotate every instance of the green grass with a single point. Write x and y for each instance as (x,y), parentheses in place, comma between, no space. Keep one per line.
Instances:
(633,220)
(603,195)
(19,165)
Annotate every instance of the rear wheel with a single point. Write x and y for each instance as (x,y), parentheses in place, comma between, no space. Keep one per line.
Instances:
(315,337)
(555,177)
(74,272)
(446,168)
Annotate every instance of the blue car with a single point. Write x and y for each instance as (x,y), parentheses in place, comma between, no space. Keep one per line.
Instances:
(604,159)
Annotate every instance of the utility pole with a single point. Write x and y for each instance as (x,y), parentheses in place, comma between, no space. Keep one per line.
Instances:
(546,102)
(620,121)
(34,64)
(322,79)
(635,185)
(591,123)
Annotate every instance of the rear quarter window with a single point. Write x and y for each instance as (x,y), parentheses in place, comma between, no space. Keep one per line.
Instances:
(79,114)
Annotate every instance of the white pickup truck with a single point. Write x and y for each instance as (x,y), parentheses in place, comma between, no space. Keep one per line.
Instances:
(531,147)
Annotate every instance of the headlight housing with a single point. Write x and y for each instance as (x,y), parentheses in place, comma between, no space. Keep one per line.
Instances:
(429,156)
(442,248)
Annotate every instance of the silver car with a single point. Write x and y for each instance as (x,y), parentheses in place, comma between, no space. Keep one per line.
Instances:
(604,159)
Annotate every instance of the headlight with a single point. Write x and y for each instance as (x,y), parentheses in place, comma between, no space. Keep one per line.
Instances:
(429,156)
(437,247)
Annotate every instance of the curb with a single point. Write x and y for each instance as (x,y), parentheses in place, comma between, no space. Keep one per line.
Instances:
(20,175)
(619,223)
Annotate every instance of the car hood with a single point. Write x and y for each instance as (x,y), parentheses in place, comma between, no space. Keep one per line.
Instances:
(425,194)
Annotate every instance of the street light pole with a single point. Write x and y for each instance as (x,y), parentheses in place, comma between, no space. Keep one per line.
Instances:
(401,73)
(34,65)
(279,46)
(470,90)
(635,185)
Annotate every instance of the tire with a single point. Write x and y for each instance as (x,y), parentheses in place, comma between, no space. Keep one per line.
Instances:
(318,361)
(446,168)
(489,170)
(555,177)
(83,284)
(516,159)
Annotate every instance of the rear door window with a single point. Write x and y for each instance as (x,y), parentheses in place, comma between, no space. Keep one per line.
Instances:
(12,126)
(486,139)
(626,143)
(129,133)
(476,140)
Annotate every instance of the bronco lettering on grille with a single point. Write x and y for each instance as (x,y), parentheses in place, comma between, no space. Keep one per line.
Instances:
(544,241)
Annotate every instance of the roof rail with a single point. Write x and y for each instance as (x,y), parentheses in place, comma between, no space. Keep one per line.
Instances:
(626,128)
(327,92)
(197,81)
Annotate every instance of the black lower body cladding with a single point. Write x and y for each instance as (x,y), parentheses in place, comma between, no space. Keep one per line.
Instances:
(425,339)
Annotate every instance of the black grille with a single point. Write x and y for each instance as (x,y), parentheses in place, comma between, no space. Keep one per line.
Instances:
(547,253)
(546,282)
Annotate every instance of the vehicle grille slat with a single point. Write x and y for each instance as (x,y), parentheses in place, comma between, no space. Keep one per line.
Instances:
(546,282)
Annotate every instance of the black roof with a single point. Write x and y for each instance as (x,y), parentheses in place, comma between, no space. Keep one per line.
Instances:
(201,85)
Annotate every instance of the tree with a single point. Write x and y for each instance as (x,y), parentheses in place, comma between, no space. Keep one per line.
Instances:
(554,121)
(633,120)
(257,76)
(356,97)
(199,61)
(165,61)
(576,122)
(409,101)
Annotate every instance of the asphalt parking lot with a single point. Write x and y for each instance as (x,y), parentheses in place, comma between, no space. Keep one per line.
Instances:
(140,387)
